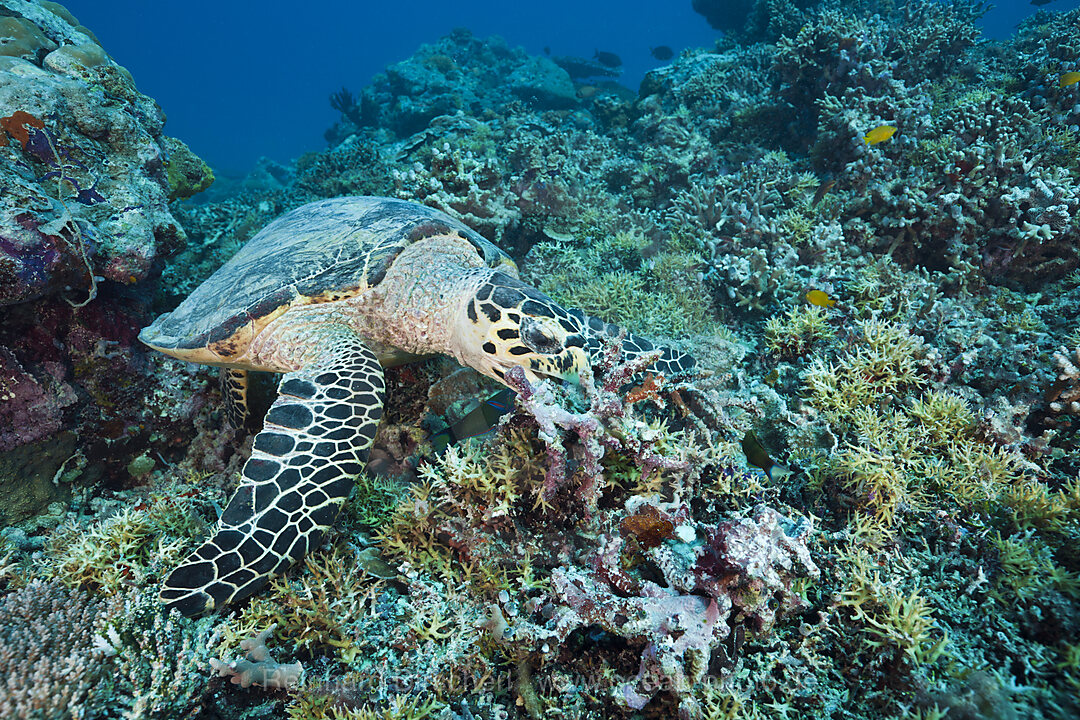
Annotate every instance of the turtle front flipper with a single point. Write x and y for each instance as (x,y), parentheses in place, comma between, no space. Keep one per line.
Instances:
(314,441)
(596,331)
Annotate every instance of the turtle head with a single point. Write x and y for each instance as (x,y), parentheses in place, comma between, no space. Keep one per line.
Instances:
(508,323)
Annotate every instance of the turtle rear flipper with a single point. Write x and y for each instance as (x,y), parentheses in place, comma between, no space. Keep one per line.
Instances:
(234,385)
(314,441)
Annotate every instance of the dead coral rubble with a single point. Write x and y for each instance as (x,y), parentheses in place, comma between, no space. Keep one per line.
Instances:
(257,667)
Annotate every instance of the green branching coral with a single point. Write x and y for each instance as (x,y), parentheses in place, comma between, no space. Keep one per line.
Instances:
(313,705)
(470,485)
(905,448)
(128,548)
(1029,569)
(373,500)
(885,360)
(651,287)
(319,611)
(944,417)
(1034,505)
(793,334)
(892,618)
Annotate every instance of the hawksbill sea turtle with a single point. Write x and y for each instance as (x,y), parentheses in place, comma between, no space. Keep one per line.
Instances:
(329,294)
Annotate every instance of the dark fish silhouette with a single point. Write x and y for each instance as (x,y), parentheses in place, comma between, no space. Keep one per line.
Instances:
(822,190)
(662,52)
(758,456)
(1041,2)
(579,67)
(479,421)
(607,59)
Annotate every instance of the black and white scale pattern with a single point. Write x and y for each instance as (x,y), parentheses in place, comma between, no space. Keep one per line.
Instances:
(314,441)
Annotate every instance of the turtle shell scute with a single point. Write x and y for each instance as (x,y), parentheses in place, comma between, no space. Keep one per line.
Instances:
(337,248)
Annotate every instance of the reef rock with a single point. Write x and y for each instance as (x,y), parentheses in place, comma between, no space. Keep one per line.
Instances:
(543,84)
(724,14)
(87,176)
(84,160)
(460,73)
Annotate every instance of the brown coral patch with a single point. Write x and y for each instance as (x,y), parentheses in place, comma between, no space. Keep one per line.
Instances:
(649,527)
(16,123)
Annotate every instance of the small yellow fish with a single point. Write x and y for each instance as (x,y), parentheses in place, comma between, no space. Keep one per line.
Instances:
(1069,78)
(819,298)
(879,134)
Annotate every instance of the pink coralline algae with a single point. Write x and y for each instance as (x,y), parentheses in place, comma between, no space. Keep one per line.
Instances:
(29,409)
(598,430)
(745,567)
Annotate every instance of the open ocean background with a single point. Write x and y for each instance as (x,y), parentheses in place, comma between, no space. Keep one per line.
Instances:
(240,80)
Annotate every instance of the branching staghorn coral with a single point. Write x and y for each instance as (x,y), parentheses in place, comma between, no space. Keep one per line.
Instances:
(970,180)
(635,278)
(130,546)
(755,226)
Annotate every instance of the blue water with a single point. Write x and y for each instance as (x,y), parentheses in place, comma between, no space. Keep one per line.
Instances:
(241,79)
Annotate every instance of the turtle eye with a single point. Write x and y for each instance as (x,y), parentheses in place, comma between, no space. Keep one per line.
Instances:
(538,338)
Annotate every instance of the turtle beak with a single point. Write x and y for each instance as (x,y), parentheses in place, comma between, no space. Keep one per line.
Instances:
(567,366)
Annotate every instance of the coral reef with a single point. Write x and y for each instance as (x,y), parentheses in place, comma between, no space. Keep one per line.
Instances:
(1064,396)
(747,567)
(67,654)
(51,667)
(458,73)
(86,161)
(968,183)
(88,177)
(894,321)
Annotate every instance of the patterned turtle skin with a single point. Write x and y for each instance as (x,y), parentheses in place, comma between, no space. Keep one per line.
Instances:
(329,294)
